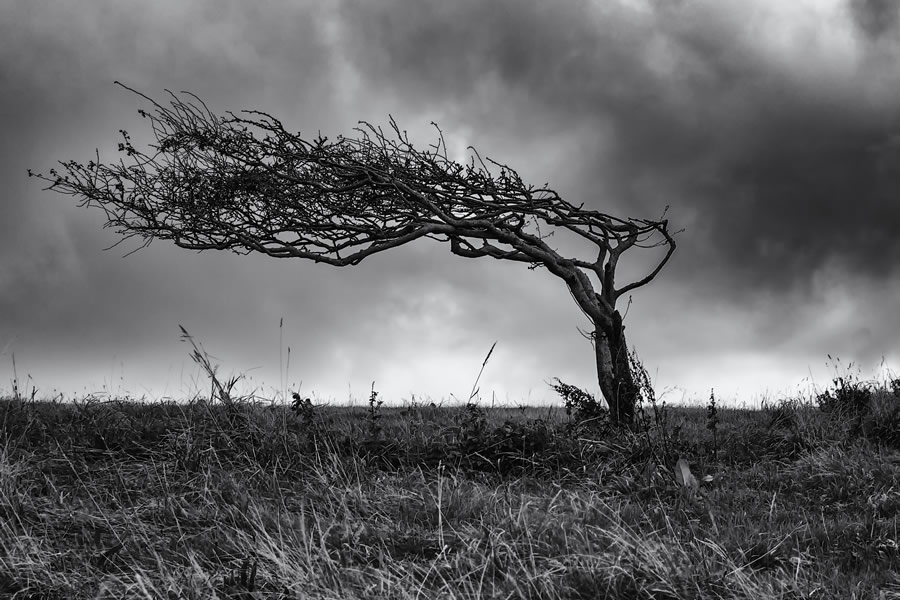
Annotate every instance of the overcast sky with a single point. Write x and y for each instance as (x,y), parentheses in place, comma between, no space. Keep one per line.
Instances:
(770,128)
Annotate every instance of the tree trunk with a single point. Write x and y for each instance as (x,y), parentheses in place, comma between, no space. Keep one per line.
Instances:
(613,371)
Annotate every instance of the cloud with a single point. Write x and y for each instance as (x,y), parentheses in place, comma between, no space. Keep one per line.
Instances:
(877,19)
(769,128)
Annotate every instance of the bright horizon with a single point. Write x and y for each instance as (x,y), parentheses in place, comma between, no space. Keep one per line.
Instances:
(183,379)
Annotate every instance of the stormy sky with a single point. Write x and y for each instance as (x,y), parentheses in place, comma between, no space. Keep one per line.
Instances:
(770,128)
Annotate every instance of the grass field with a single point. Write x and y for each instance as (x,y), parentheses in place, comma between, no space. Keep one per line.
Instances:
(114,499)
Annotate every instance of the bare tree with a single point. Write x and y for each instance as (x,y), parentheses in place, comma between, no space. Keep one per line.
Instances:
(244,183)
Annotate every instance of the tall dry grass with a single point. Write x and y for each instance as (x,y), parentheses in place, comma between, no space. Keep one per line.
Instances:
(207,499)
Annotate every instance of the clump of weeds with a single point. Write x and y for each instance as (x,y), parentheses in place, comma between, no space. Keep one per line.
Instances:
(373,415)
(583,410)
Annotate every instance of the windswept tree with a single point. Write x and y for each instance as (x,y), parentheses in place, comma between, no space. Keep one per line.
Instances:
(244,183)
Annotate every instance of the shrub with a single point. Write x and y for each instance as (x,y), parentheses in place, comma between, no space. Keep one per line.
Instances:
(310,422)
(848,398)
(581,406)
(470,428)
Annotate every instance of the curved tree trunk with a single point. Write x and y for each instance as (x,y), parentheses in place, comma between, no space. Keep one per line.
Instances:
(614,372)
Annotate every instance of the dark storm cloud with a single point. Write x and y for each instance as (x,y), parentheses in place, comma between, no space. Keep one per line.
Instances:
(816,186)
(58,63)
(776,143)
(875,18)
(767,125)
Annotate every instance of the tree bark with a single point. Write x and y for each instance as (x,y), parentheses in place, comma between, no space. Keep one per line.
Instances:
(614,371)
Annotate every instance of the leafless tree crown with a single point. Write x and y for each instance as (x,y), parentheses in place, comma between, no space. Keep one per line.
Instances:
(246,184)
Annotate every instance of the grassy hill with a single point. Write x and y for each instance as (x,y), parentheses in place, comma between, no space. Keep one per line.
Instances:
(117,499)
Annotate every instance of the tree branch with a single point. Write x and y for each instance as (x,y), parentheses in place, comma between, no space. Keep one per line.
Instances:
(246,184)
